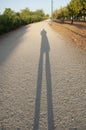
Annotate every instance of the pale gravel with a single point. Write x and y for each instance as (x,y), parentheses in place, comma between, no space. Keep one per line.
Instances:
(63,85)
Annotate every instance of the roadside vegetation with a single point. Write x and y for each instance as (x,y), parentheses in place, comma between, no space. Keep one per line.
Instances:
(74,11)
(10,19)
(70,22)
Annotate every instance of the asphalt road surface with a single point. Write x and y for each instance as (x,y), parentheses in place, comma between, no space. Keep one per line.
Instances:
(42,81)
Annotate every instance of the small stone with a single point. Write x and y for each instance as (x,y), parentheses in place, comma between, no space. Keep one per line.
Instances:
(72,128)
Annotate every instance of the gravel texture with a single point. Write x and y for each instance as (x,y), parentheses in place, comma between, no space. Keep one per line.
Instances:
(42,81)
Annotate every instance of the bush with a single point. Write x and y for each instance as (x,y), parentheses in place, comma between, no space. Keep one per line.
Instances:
(10,20)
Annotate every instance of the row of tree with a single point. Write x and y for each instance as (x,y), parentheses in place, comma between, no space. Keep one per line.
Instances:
(10,19)
(76,9)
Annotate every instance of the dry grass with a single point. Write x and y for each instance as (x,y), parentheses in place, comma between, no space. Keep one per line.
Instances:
(75,33)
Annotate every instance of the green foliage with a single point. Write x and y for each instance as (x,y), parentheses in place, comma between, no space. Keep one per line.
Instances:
(25,16)
(40,13)
(10,20)
(55,14)
(61,13)
(83,8)
(75,10)
(46,16)
(74,7)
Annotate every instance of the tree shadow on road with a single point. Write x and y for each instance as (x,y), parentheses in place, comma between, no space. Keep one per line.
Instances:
(9,41)
(45,48)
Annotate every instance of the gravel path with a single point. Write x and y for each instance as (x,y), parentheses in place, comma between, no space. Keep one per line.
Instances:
(42,81)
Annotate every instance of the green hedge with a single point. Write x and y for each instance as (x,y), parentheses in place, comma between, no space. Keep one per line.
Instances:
(10,20)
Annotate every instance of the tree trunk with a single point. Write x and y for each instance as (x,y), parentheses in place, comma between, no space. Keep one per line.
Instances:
(84,18)
(72,20)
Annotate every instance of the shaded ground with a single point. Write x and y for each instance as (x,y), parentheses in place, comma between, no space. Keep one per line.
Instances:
(76,32)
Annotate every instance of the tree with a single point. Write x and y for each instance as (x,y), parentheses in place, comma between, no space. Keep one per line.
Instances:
(74,8)
(40,12)
(83,8)
(25,15)
(10,20)
(62,13)
(55,13)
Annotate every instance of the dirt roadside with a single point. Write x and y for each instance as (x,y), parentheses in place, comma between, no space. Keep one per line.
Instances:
(76,33)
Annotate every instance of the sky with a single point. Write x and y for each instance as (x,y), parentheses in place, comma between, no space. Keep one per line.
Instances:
(33,5)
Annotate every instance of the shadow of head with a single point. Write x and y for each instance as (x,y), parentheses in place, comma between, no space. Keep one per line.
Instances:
(43,32)
(45,48)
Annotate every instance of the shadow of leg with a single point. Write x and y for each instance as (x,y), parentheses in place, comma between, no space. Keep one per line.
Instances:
(38,94)
(49,94)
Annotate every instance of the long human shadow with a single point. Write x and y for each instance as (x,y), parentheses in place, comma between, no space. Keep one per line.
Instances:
(45,48)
